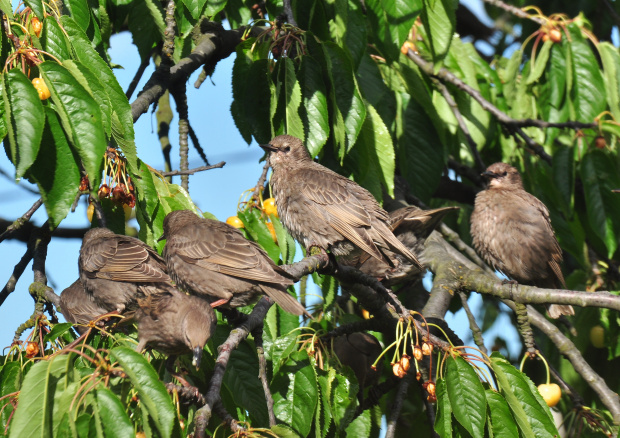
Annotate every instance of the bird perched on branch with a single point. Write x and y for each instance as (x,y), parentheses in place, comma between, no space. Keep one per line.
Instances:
(213,260)
(175,323)
(115,270)
(411,226)
(512,231)
(323,209)
(76,305)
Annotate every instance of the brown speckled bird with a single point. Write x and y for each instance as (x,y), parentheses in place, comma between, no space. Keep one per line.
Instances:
(115,270)
(175,323)
(213,260)
(411,226)
(78,306)
(323,209)
(512,231)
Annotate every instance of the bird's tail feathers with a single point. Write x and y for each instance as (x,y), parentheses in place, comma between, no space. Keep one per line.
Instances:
(557,310)
(284,300)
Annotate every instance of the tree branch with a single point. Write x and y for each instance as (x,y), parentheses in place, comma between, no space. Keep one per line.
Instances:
(194,170)
(11,229)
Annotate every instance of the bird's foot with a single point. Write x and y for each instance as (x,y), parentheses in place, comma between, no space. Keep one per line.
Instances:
(511,282)
(316,250)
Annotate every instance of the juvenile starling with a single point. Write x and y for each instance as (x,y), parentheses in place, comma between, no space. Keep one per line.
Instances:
(323,209)
(512,231)
(116,270)
(78,306)
(213,260)
(175,323)
(359,351)
(411,226)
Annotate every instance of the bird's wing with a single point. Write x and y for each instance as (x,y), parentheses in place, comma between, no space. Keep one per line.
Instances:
(132,262)
(339,201)
(220,247)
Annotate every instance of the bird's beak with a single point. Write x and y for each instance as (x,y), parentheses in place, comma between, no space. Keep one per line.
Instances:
(197,357)
(488,175)
(269,147)
(163,237)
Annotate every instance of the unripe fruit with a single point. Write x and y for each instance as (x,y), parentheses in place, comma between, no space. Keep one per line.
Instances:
(90,211)
(269,207)
(551,393)
(234,221)
(597,336)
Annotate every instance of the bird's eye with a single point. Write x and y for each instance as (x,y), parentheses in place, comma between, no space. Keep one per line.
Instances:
(286,149)
(505,173)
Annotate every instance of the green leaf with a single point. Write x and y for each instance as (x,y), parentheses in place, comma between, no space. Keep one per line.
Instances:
(241,378)
(281,348)
(113,416)
(5,6)
(420,152)
(391,21)
(149,211)
(343,397)
(289,100)
(588,87)
(195,7)
(152,392)
(313,112)
(62,329)
(25,119)
(122,124)
(466,395)
(502,422)
(34,414)
(540,63)
(530,412)
(611,69)
(361,426)
(79,12)
(372,158)
(54,40)
(285,241)
(296,393)
(10,382)
(146,24)
(80,117)
(443,416)
(91,83)
(37,8)
(346,99)
(55,171)
(599,175)
(214,7)
(439,20)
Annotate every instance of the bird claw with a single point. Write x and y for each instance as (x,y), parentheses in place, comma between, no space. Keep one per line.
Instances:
(219,302)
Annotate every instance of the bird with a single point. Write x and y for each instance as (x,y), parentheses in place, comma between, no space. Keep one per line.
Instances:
(323,209)
(116,270)
(78,307)
(175,323)
(511,230)
(411,226)
(214,260)
(359,351)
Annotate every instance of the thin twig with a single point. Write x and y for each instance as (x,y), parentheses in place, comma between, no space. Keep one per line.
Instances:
(514,10)
(17,273)
(169,33)
(473,325)
(288,11)
(21,221)
(262,374)
(260,185)
(22,186)
(164,117)
(136,79)
(196,143)
(194,170)
(401,393)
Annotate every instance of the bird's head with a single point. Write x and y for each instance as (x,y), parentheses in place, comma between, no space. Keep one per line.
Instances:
(177,220)
(502,175)
(199,324)
(286,149)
